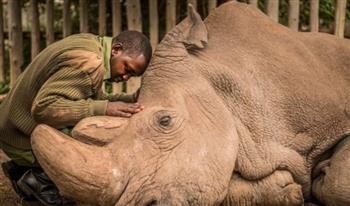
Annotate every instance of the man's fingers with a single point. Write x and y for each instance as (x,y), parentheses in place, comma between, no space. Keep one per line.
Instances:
(138,105)
(122,109)
(135,106)
(131,107)
(131,110)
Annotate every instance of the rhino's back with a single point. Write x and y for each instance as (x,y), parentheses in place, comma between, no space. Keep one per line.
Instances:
(330,51)
(295,85)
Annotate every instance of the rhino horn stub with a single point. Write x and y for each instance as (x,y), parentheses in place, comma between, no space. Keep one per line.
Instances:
(79,170)
(99,131)
(195,32)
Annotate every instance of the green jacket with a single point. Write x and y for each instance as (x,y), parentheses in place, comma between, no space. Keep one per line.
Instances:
(61,86)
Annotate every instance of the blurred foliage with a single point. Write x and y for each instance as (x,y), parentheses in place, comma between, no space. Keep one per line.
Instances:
(4,88)
(326,13)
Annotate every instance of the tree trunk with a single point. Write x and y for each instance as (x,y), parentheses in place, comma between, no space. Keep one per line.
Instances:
(50,34)
(134,15)
(340,18)
(2,46)
(170,14)
(153,11)
(35,33)
(133,9)
(254,2)
(194,4)
(314,24)
(16,40)
(83,16)
(102,17)
(116,18)
(67,30)
(293,15)
(272,9)
(116,12)
(212,5)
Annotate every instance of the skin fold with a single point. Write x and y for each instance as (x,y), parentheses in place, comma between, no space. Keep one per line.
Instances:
(239,110)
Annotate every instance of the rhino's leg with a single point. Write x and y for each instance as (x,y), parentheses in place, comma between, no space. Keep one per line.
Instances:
(332,183)
(277,189)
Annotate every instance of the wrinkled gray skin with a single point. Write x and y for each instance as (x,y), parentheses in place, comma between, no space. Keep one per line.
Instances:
(238,111)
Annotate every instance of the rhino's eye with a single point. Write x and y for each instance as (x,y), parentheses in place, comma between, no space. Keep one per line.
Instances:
(165,121)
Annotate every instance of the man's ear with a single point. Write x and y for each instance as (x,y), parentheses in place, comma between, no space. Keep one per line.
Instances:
(116,48)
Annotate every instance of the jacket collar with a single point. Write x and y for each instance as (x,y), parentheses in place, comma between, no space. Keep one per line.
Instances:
(106,43)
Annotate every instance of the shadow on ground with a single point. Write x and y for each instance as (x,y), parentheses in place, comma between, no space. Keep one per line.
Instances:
(7,196)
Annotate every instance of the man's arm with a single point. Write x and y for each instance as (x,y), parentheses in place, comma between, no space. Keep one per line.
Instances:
(64,99)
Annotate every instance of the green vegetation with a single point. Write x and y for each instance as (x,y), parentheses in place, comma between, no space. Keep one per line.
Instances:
(326,13)
(4,88)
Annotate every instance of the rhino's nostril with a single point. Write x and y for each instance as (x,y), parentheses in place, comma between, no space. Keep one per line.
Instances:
(152,203)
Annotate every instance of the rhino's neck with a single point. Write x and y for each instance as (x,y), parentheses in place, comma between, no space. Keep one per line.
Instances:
(255,158)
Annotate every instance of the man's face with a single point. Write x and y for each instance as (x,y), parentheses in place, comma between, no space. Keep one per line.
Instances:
(124,65)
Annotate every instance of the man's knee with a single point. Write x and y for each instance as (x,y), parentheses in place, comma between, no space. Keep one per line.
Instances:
(20,156)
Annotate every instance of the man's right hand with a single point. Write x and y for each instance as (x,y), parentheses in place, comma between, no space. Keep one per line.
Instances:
(122,109)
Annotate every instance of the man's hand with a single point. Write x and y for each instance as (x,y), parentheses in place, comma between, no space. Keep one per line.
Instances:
(122,109)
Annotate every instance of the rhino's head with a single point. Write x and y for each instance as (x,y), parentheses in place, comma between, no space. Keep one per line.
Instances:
(180,150)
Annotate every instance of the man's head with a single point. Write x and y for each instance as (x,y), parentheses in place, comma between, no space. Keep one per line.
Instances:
(130,55)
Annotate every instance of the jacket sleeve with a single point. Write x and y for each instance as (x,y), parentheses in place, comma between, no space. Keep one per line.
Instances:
(64,99)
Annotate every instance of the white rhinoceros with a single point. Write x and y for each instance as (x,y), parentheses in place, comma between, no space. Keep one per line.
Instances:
(239,110)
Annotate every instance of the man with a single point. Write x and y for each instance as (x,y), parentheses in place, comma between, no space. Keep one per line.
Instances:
(61,86)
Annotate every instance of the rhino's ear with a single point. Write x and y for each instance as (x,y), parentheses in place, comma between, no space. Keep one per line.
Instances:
(194,32)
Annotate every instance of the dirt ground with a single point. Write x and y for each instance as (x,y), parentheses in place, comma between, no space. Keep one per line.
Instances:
(7,195)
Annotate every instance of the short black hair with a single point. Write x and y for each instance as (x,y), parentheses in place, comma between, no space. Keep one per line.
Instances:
(134,43)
